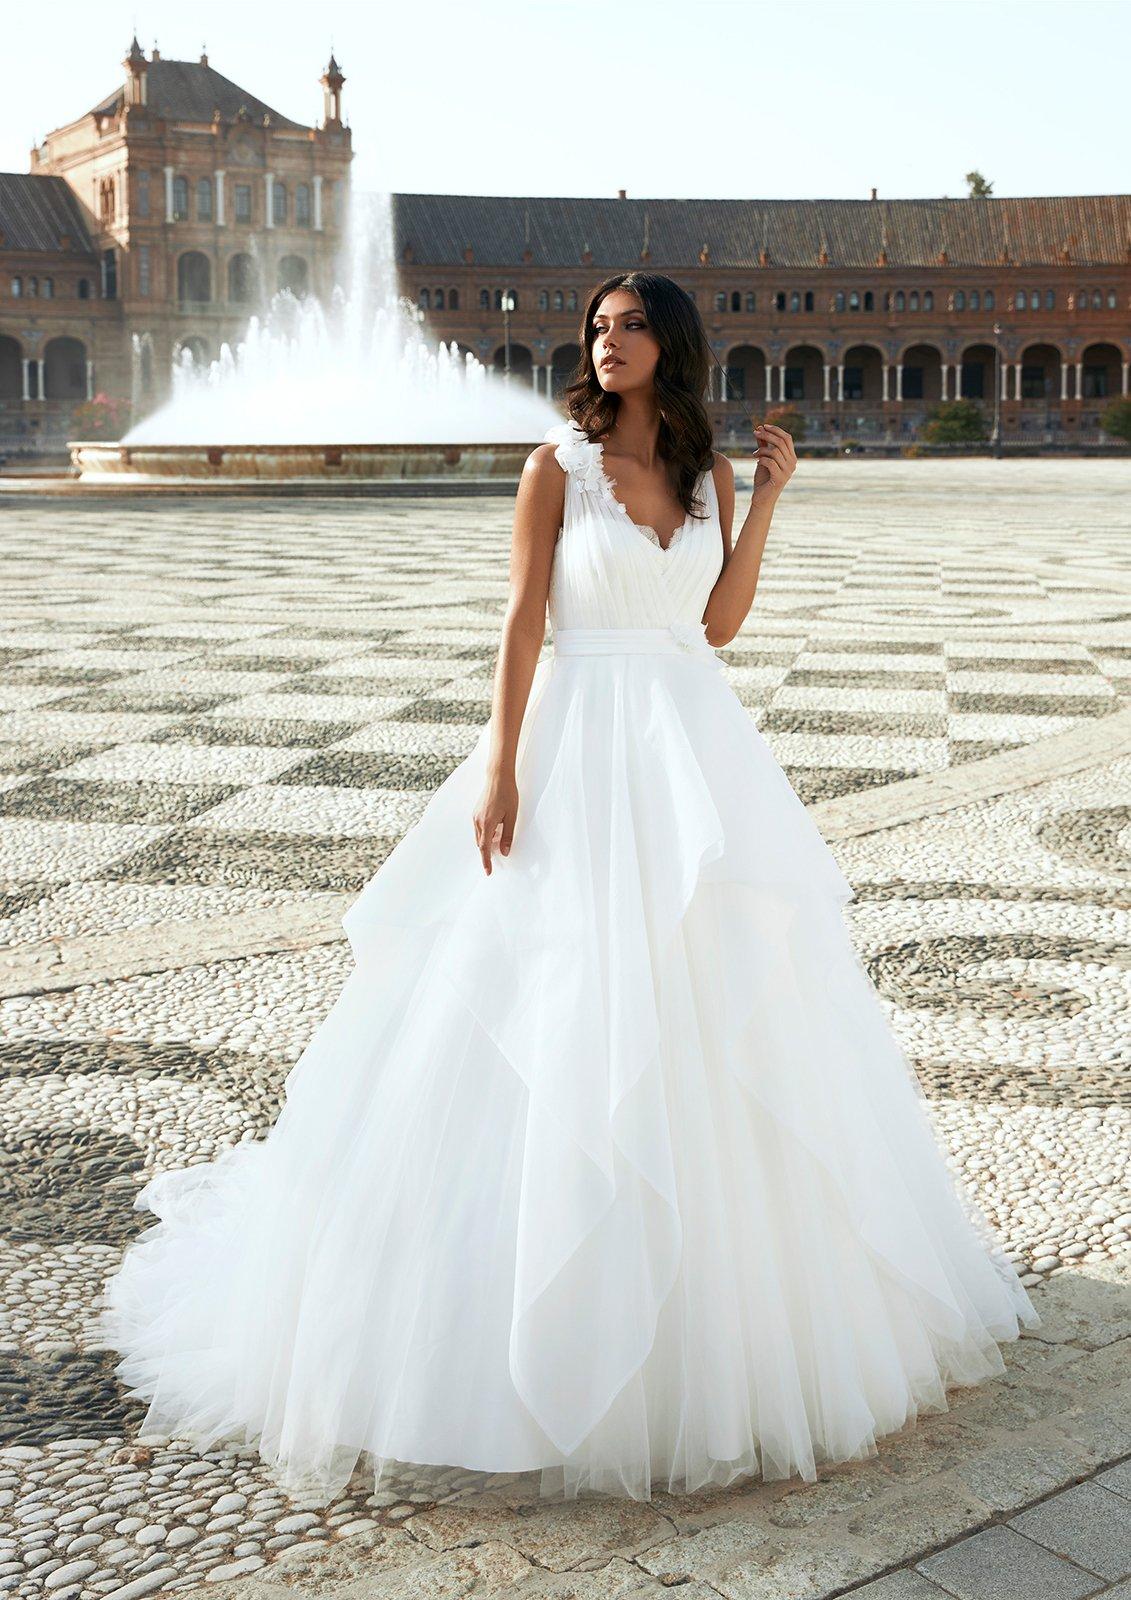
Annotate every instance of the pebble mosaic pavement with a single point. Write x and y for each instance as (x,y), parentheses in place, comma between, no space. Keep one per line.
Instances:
(212,707)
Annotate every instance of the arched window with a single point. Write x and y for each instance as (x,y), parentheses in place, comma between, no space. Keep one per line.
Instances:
(180,199)
(988,300)
(453,299)
(928,299)
(899,300)
(838,300)
(1111,299)
(751,301)
(84,288)
(241,279)
(194,278)
(960,300)
(278,203)
(302,205)
(437,299)
(424,299)
(853,300)
(204,199)
(571,300)
(808,301)
(794,300)
(543,299)
(559,300)
(17,288)
(1050,299)
(1022,303)
(49,288)
(484,299)
(293,275)
(32,288)
(736,300)
(913,300)
(11,374)
(64,370)
(975,300)
(1097,300)
(869,300)
(720,301)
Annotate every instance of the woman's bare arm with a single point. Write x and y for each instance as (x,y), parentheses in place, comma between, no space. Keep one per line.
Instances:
(538,513)
(730,600)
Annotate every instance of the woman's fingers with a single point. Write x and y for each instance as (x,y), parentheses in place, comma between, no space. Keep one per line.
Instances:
(489,833)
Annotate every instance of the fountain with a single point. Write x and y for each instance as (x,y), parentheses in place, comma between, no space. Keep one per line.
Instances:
(351,390)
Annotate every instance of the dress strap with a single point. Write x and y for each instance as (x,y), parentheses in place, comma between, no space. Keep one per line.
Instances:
(575,455)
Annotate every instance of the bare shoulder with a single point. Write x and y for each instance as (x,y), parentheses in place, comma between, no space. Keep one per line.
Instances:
(541,487)
(722,471)
(542,465)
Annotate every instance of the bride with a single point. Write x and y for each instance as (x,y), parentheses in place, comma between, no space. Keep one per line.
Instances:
(605,1161)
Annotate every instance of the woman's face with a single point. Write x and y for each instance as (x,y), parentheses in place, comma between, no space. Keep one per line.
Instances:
(625,350)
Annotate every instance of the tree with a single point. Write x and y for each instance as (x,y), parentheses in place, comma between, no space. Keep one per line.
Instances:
(954,422)
(977,187)
(789,418)
(1116,420)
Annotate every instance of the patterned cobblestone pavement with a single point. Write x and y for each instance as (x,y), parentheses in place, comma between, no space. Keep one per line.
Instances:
(212,711)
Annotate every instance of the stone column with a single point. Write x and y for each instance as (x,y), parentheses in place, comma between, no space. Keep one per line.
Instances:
(1064,378)
(899,382)
(90,380)
(1123,390)
(827,372)
(840,383)
(884,370)
(25,367)
(317,203)
(944,370)
(1005,380)
(1079,380)
(220,176)
(269,191)
(769,382)
(168,194)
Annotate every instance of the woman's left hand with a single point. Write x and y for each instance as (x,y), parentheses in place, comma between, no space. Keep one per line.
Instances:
(776,460)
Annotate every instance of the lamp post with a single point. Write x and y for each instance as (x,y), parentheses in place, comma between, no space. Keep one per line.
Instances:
(995,439)
(507,308)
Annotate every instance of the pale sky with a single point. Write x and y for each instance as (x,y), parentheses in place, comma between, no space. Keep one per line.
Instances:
(804,99)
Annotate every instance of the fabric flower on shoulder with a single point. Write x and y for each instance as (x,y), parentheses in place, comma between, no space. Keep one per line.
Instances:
(577,455)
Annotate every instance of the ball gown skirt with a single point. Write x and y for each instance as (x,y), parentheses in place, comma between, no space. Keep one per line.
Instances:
(608,1164)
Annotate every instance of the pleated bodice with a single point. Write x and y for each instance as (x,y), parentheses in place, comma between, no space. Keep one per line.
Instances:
(611,572)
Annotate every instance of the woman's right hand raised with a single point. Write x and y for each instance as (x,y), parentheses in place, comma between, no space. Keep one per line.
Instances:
(494,818)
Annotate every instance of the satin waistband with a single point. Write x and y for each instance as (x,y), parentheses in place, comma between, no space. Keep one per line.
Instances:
(687,639)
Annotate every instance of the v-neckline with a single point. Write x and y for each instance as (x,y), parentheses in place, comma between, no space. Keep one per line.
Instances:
(642,528)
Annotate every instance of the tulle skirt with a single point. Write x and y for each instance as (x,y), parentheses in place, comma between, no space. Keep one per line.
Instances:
(606,1165)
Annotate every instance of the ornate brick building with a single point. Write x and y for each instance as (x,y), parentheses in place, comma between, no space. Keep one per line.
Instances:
(157,222)
(861,313)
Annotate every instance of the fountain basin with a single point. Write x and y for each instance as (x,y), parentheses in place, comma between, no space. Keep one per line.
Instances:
(109,464)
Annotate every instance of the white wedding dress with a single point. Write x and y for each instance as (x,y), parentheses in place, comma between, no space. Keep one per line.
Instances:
(606,1164)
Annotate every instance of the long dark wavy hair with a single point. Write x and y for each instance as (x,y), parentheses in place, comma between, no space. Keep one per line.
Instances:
(680,378)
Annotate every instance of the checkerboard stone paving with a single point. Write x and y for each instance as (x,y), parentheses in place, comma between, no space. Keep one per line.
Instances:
(213,707)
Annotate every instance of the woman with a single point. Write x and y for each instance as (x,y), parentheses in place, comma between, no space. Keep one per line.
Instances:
(605,1161)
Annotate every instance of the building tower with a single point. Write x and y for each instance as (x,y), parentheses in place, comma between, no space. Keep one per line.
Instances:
(331,81)
(137,78)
